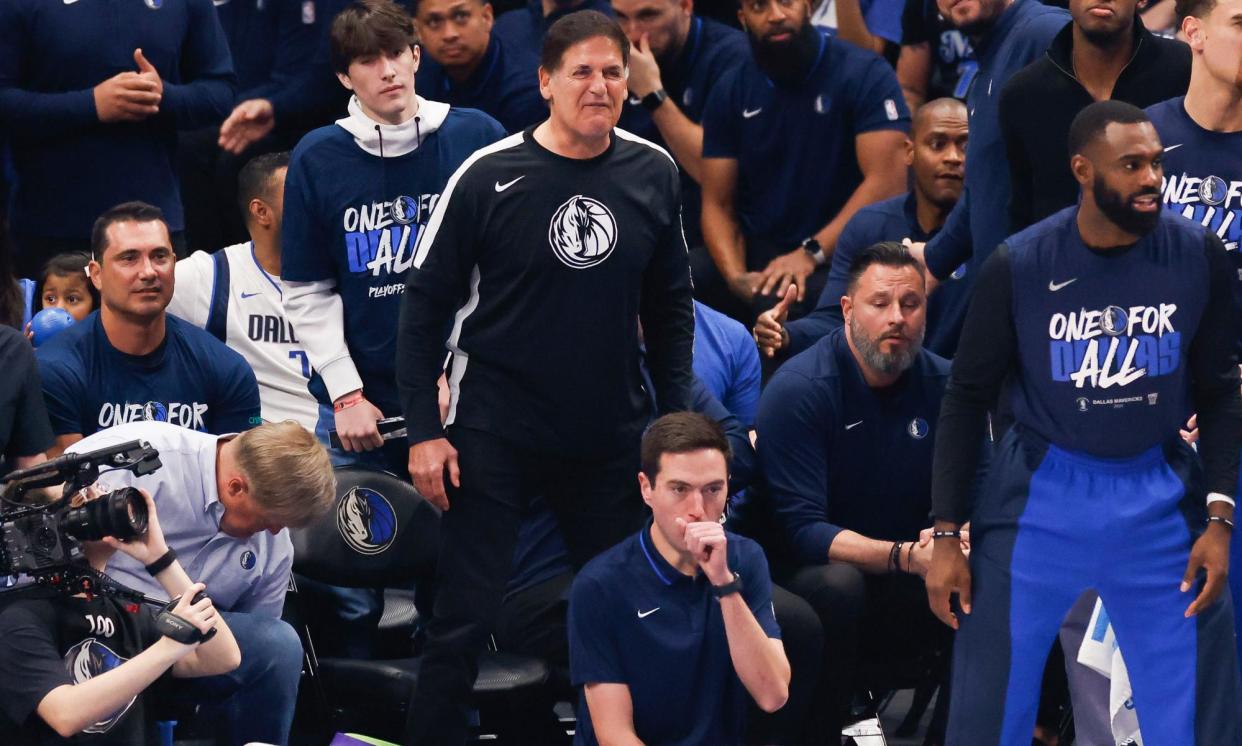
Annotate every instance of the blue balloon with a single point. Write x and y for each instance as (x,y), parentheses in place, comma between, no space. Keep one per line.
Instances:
(48,323)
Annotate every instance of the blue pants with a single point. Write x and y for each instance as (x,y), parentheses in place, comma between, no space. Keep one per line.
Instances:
(1051,524)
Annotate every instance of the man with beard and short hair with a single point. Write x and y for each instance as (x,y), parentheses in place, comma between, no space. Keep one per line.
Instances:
(936,155)
(465,64)
(1006,36)
(1110,320)
(676,61)
(799,137)
(1104,54)
(847,527)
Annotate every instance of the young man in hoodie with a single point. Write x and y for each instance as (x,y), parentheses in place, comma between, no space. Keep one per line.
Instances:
(357,194)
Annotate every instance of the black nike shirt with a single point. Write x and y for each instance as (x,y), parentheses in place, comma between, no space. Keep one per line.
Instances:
(537,268)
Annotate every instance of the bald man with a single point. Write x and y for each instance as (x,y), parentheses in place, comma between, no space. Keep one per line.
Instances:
(936,153)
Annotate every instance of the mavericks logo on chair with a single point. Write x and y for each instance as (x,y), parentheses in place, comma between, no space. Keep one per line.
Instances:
(366,520)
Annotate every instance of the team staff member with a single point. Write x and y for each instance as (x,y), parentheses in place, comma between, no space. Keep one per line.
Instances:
(76,667)
(936,156)
(805,132)
(676,60)
(1203,148)
(235,295)
(705,639)
(523,29)
(1006,36)
(848,529)
(1104,54)
(465,64)
(1105,317)
(92,96)
(224,502)
(130,360)
(549,246)
(357,195)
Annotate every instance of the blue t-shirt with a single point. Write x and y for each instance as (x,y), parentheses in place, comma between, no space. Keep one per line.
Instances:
(828,444)
(727,361)
(191,380)
(712,49)
(339,225)
(810,128)
(1203,180)
(635,620)
(1104,336)
(889,220)
(504,86)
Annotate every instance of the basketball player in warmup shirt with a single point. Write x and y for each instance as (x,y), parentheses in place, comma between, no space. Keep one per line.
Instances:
(1113,319)
(549,246)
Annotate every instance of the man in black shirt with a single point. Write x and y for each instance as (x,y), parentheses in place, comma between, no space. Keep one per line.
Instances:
(1105,53)
(24,429)
(550,245)
(79,665)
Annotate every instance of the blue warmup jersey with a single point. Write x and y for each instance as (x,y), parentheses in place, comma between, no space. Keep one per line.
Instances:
(727,362)
(828,444)
(504,86)
(712,49)
(191,380)
(813,124)
(635,620)
(340,224)
(1203,180)
(889,220)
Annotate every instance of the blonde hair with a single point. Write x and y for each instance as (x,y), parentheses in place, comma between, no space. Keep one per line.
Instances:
(289,473)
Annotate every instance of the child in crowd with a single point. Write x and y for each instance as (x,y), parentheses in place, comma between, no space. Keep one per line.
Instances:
(65,285)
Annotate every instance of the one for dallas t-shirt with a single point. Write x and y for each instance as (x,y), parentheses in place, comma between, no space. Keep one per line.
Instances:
(191,379)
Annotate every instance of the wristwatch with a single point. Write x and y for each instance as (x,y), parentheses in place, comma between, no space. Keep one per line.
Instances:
(811,246)
(728,589)
(655,99)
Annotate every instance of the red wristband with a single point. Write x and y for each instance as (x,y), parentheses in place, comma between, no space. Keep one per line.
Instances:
(347,403)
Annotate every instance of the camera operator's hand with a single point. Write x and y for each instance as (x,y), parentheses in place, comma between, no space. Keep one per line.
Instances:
(148,548)
(202,615)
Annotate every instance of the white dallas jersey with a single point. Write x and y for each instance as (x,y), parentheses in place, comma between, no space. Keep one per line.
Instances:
(247,312)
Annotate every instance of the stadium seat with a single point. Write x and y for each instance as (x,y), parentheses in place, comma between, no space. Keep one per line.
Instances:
(382,534)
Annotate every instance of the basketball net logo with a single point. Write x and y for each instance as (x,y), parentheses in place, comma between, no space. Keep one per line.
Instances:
(583,232)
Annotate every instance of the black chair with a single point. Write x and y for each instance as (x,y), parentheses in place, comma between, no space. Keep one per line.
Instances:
(380,534)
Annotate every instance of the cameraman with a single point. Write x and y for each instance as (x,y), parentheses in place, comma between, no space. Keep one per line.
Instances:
(82,663)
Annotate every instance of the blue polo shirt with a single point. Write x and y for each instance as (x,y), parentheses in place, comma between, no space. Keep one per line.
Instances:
(829,444)
(1203,180)
(810,127)
(192,380)
(712,49)
(727,361)
(890,220)
(522,29)
(504,85)
(635,620)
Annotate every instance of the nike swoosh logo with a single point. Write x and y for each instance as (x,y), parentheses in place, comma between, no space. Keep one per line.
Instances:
(501,187)
(1055,286)
(1171,147)
(248,295)
(748,113)
(70,2)
(856,424)
(645,614)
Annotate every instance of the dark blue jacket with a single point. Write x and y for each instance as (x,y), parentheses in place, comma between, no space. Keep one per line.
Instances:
(505,85)
(272,41)
(70,166)
(522,29)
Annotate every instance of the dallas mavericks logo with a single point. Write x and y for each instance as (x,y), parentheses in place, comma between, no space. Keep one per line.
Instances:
(405,210)
(918,428)
(248,560)
(89,659)
(154,411)
(958,273)
(583,232)
(154,4)
(1114,321)
(1213,190)
(366,520)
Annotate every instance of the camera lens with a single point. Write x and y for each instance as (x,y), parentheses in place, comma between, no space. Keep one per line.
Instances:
(121,514)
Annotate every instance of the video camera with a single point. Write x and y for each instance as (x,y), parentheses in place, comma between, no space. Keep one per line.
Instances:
(43,541)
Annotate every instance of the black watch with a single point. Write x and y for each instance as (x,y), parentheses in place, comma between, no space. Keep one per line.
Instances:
(728,589)
(655,99)
(811,246)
